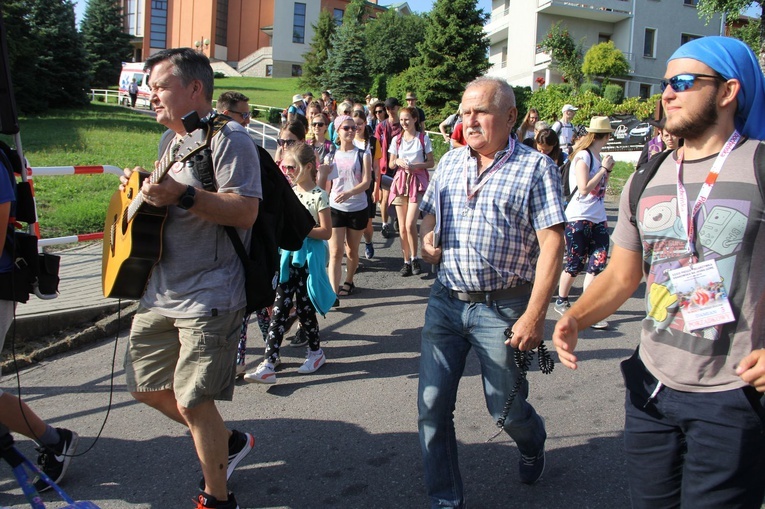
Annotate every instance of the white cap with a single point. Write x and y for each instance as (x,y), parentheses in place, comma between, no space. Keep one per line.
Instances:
(296,98)
(569,107)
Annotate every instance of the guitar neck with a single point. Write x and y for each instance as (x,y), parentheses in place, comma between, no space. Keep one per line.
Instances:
(167,162)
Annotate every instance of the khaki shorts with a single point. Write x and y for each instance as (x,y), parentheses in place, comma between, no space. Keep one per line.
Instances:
(195,357)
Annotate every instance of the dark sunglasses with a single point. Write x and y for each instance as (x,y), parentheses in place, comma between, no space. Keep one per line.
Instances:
(348,128)
(685,81)
(318,124)
(379,111)
(286,167)
(244,114)
(287,143)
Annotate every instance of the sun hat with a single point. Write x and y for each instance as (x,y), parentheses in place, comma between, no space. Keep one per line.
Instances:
(569,107)
(600,125)
(296,98)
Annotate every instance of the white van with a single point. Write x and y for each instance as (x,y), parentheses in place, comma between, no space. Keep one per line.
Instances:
(134,71)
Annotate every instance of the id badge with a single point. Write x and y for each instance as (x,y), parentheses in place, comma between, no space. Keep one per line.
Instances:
(701,295)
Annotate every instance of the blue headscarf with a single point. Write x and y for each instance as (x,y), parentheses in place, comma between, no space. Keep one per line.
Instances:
(733,59)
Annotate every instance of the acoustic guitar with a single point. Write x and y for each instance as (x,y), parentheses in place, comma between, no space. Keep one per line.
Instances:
(133,228)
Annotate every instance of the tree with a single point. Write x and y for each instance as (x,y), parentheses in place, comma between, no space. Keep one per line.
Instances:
(565,53)
(452,54)
(732,9)
(313,61)
(605,60)
(106,44)
(390,40)
(46,54)
(346,68)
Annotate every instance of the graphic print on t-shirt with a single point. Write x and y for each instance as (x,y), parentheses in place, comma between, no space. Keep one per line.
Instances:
(721,226)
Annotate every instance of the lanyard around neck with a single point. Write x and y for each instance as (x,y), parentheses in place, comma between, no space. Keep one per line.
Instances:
(492,170)
(687,219)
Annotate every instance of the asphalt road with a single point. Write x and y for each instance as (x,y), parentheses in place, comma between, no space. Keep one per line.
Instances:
(346,436)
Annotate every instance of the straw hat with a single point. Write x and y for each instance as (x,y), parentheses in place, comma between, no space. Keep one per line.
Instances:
(600,125)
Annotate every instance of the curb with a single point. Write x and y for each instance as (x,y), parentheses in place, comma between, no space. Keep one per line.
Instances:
(65,339)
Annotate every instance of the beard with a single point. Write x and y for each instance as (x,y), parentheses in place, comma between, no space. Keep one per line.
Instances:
(695,125)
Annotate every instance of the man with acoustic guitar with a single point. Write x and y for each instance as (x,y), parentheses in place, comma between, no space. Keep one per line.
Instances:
(182,347)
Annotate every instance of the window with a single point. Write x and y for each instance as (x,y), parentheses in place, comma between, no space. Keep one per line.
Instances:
(298,24)
(297,70)
(649,43)
(221,24)
(645,91)
(158,38)
(269,70)
(688,38)
(504,57)
(604,38)
(692,3)
(338,13)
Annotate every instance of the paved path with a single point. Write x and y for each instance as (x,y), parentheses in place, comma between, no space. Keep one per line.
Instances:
(346,436)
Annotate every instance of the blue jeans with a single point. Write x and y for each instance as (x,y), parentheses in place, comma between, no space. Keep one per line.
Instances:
(690,449)
(451,328)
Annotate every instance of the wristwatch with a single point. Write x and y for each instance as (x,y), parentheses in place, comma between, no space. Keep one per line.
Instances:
(186,201)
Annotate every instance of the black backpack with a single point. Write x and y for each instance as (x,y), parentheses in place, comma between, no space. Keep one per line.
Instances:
(565,172)
(32,272)
(283,222)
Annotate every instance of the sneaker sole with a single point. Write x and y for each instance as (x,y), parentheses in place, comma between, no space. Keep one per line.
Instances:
(257,380)
(249,446)
(599,327)
(67,457)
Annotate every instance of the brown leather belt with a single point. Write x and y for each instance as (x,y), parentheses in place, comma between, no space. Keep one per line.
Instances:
(489,297)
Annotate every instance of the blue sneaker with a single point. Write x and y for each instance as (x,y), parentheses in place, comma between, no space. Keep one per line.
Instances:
(369,251)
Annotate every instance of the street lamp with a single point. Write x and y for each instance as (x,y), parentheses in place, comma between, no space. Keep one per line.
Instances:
(202,44)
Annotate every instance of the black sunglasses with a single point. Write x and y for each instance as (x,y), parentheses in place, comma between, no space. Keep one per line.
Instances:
(244,114)
(348,128)
(379,111)
(685,81)
(281,142)
(318,124)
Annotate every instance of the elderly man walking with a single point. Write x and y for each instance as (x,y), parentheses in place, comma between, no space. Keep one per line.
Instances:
(497,246)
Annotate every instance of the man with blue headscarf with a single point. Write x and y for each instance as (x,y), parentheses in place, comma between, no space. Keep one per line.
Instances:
(694,431)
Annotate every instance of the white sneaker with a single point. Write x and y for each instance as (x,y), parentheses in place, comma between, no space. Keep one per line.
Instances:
(561,306)
(600,325)
(264,374)
(313,361)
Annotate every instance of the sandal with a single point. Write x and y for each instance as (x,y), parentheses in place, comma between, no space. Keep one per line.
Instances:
(346,289)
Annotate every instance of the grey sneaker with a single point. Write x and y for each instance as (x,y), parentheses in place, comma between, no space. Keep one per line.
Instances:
(600,325)
(406,270)
(561,305)
(416,269)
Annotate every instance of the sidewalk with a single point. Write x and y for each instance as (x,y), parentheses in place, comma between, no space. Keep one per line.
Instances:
(80,298)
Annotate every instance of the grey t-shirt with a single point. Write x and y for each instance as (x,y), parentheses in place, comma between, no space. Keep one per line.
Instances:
(199,272)
(731,230)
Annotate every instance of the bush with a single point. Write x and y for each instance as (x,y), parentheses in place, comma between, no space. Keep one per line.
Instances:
(590,87)
(614,94)
(274,116)
(379,88)
(219,75)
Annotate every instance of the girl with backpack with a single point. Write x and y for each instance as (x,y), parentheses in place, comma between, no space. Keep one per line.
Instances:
(412,155)
(366,142)
(586,232)
(303,281)
(349,207)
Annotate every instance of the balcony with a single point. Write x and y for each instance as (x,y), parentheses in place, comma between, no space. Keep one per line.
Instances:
(609,11)
(496,29)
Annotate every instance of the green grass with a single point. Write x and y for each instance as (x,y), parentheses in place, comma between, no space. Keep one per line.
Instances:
(619,176)
(99,134)
(275,92)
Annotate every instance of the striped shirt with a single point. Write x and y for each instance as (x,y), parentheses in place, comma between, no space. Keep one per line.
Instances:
(489,243)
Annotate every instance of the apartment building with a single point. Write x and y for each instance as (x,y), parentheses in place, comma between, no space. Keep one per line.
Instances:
(646,31)
(255,37)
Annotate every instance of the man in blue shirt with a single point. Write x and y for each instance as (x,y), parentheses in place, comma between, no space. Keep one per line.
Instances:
(497,246)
